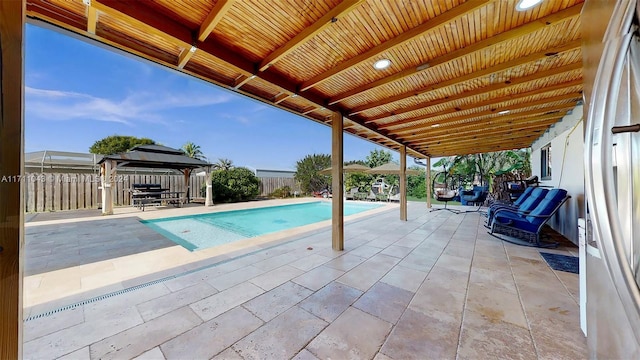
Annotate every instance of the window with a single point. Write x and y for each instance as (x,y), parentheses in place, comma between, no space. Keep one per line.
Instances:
(545,162)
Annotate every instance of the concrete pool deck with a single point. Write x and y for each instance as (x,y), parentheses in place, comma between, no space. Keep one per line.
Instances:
(435,286)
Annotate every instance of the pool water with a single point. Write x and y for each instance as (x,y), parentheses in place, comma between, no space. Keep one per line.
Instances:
(195,232)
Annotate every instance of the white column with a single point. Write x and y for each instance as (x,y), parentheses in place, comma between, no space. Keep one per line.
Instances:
(209,193)
(337,214)
(12,15)
(107,181)
(403,183)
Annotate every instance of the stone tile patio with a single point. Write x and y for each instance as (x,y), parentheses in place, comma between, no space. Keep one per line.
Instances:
(437,286)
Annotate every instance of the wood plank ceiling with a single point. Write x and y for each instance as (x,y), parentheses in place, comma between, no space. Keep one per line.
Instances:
(465,76)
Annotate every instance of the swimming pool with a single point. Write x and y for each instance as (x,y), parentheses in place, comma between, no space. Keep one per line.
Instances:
(195,232)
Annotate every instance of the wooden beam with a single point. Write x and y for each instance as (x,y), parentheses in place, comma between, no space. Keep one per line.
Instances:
(512,126)
(481,136)
(327,19)
(243,79)
(482,141)
(185,56)
(337,156)
(572,45)
(215,15)
(474,150)
(12,18)
(419,30)
(457,121)
(487,89)
(155,23)
(428,182)
(574,96)
(92,19)
(403,183)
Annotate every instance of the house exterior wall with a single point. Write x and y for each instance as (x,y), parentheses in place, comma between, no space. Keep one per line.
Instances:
(567,169)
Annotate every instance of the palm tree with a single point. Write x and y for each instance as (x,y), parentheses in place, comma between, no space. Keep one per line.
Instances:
(193,151)
(223,164)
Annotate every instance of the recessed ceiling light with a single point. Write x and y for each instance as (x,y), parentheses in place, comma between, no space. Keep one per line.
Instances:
(382,64)
(435,125)
(503,112)
(524,5)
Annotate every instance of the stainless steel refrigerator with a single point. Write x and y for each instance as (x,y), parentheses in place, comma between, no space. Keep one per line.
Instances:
(610,251)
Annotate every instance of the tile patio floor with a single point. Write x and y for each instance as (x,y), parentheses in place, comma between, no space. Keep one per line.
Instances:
(434,287)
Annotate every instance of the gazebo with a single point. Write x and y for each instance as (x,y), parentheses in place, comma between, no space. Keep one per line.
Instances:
(148,156)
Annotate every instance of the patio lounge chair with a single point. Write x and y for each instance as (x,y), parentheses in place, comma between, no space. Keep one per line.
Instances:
(394,193)
(445,196)
(524,204)
(351,194)
(525,229)
(477,196)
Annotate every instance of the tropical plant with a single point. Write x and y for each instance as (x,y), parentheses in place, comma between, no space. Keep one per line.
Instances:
(235,184)
(308,172)
(223,164)
(116,144)
(377,158)
(193,151)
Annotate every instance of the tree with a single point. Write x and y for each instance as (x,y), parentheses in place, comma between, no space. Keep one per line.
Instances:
(193,151)
(115,144)
(377,158)
(235,184)
(223,164)
(308,172)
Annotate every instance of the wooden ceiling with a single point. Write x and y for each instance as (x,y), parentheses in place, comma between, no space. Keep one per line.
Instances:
(457,66)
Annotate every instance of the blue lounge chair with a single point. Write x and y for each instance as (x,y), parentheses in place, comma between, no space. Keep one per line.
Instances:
(537,193)
(524,229)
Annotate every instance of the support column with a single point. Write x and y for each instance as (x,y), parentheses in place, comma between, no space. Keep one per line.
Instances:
(403,183)
(428,180)
(106,178)
(209,190)
(337,209)
(187,185)
(12,16)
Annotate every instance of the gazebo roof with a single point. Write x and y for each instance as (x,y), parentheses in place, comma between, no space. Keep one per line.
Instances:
(155,156)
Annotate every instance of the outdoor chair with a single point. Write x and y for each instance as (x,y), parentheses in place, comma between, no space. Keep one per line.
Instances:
(351,194)
(477,196)
(524,204)
(394,194)
(525,229)
(445,196)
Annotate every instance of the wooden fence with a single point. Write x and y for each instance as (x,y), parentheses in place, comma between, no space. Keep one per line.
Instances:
(71,191)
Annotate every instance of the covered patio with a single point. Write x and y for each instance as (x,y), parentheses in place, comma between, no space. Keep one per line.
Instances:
(435,286)
(425,78)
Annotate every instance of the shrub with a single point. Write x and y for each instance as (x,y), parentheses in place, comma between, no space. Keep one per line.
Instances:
(237,184)
(283,192)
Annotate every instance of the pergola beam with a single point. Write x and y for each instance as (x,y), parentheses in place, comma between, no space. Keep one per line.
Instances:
(487,89)
(215,15)
(572,45)
(574,96)
(92,20)
(419,30)
(309,32)
(465,120)
(185,55)
(496,128)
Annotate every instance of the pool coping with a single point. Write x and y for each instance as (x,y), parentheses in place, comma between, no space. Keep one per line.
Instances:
(181,260)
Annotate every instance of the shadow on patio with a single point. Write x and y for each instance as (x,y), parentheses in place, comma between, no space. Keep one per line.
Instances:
(437,286)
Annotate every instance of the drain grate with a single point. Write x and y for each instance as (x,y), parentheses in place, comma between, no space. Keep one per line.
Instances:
(98,298)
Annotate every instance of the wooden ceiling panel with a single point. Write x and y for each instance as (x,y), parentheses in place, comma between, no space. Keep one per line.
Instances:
(455,63)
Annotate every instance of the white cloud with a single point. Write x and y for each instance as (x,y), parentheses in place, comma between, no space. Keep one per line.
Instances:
(135,107)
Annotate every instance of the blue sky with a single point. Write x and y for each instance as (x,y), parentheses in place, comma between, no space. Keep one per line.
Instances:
(77,93)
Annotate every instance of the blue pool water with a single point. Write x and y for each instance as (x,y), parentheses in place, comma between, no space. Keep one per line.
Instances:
(203,231)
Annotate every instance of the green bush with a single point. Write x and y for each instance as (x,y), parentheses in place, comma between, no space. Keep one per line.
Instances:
(237,184)
(283,192)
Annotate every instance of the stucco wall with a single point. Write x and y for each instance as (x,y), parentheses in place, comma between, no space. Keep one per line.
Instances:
(567,169)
